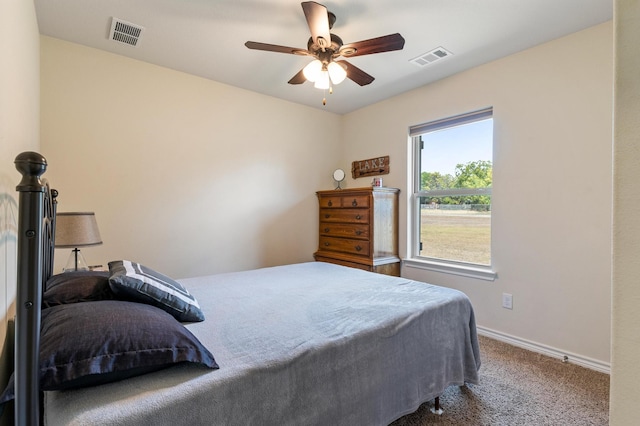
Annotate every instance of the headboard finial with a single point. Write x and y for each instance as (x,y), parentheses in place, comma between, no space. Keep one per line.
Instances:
(31,165)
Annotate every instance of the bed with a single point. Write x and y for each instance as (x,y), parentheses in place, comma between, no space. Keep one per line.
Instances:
(302,344)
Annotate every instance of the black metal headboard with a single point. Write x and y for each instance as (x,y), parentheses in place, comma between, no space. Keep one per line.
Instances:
(48,231)
(36,235)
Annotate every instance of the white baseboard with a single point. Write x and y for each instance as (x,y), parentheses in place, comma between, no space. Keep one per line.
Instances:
(592,364)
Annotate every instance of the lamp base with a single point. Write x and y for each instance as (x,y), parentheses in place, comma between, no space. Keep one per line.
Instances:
(76,262)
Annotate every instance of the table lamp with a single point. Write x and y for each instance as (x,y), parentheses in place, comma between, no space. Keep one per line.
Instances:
(73,230)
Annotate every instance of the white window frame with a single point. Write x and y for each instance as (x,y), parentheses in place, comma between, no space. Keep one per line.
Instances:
(484,272)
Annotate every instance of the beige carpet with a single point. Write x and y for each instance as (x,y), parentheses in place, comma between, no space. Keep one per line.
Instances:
(520,387)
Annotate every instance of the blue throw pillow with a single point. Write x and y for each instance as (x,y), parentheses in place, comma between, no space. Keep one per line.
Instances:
(76,286)
(136,282)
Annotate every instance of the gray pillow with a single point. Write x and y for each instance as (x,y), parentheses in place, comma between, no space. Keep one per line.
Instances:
(133,281)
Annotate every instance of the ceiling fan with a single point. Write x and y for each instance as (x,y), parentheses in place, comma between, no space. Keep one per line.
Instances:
(325,71)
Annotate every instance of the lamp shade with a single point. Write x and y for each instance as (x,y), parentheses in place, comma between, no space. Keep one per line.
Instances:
(312,71)
(336,72)
(322,82)
(77,230)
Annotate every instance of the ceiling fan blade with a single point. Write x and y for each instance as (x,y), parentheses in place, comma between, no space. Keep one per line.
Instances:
(356,74)
(373,45)
(276,48)
(318,21)
(298,78)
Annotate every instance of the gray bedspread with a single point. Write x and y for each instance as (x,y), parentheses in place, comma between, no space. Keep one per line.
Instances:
(304,344)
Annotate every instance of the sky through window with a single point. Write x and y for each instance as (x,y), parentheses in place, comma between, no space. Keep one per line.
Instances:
(444,149)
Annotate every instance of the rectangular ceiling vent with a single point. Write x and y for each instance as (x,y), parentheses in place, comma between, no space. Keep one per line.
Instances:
(125,32)
(431,57)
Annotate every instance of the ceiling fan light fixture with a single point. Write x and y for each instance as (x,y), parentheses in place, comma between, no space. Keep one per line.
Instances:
(312,70)
(323,82)
(336,72)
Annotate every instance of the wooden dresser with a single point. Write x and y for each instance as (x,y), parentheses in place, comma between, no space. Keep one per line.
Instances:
(359,228)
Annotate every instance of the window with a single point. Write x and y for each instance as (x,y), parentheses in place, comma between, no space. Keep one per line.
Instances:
(453,170)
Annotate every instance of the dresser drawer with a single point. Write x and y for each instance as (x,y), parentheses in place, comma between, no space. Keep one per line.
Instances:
(344,215)
(334,202)
(344,230)
(356,201)
(344,245)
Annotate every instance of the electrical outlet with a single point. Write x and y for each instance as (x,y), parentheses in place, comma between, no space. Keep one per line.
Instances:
(507,301)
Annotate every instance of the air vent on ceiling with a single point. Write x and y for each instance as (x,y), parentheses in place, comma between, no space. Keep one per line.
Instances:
(431,57)
(125,32)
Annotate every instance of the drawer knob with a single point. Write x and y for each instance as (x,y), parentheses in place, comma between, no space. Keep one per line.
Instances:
(330,203)
(327,216)
(326,229)
(358,248)
(326,244)
(358,232)
(354,203)
(358,217)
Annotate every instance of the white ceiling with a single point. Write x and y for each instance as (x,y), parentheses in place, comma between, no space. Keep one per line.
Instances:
(206,37)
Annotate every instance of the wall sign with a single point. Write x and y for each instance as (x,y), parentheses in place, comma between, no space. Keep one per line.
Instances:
(371,167)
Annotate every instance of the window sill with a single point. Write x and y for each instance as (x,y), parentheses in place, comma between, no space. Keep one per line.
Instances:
(478,272)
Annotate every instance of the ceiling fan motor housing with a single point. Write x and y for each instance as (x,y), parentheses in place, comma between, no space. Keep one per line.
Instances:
(334,48)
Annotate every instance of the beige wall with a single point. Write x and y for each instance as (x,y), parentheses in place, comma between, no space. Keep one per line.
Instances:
(626,226)
(19,124)
(551,190)
(185,175)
